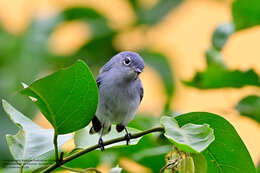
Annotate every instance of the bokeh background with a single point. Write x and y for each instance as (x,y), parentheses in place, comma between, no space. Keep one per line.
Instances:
(39,36)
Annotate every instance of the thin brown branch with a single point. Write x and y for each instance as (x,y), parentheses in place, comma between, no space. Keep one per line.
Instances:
(112,141)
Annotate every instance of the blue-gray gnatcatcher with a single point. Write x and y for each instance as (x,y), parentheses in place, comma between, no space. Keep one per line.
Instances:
(120,94)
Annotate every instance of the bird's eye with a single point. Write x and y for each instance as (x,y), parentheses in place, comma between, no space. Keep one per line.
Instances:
(127,61)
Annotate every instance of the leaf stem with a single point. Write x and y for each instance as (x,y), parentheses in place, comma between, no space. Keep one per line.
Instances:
(94,147)
(21,168)
(80,170)
(55,142)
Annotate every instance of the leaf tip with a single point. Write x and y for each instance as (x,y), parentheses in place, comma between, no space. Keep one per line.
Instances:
(80,61)
(24,85)
(33,99)
(4,104)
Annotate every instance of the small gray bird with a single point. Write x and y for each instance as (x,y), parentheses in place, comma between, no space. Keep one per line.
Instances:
(120,94)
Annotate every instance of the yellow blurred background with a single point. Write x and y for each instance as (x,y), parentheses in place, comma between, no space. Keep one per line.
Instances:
(183,36)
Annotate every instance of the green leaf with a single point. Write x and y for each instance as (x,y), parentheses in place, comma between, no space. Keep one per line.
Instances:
(161,64)
(200,163)
(187,165)
(83,139)
(155,14)
(216,77)
(222,155)
(258,168)
(67,98)
(246,13)
(250,107)
(221,35)
(190,137)
(31,141)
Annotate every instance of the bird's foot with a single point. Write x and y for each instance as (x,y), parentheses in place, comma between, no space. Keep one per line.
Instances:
(101,144)
(128,137)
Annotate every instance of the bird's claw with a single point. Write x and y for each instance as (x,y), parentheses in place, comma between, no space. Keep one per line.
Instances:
(128,137)
(101,144)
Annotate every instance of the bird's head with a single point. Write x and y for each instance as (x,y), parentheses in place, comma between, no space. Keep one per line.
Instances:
(125,65)
(131,64)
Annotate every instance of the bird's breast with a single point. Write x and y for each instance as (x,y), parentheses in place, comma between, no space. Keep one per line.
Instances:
(117,103)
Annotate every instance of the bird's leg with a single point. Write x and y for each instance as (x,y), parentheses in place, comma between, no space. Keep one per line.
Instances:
(127,136)
(100,141)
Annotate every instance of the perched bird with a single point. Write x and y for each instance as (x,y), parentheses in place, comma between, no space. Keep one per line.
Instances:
(120,94)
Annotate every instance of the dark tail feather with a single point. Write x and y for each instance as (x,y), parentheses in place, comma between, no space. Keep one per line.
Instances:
(120,128)
(96,126)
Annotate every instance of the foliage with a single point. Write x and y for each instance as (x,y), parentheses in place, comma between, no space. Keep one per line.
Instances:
(152,16)
(246,13)
(29,54)
(31,142)
(189,137)
(70,93)
(250,107)
(222,154)
(184,138)
(217,75)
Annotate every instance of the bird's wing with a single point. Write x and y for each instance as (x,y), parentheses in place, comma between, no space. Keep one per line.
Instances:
(98,80)
(109,65)
(96,124)
(141,92)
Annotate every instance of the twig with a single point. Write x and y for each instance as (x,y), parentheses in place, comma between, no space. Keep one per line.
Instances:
(72,169)
(112,141)
(40,168)
(55,142)
(80,170)
(61,156)
(93,169)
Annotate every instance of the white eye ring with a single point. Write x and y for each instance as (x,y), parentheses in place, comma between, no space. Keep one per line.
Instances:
(127,61)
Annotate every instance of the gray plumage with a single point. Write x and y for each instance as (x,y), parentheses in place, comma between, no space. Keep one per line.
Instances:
(120,92)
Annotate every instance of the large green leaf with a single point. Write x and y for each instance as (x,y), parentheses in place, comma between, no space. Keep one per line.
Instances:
(222,155)
(83,139)
(31,141)
(190,137)
(155,14)
(67,98)
(218,77)
(161,64)
(250,106)
(246,13)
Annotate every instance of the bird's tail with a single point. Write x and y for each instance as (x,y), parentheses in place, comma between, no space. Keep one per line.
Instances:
(96,126)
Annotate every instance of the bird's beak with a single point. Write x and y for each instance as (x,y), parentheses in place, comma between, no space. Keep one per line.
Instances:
(138,71)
